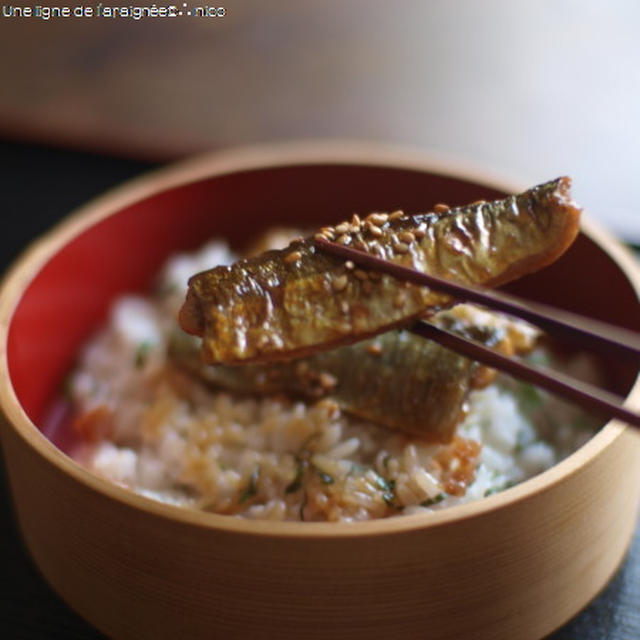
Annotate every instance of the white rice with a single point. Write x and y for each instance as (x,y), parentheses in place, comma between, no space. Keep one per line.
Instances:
(151,428)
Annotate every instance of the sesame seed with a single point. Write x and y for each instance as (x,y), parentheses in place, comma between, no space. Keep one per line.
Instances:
(332,409)
(339,282)
(478,202)
(421,231)
(401,247)
(396,214)
(399,300)
(377,218)
(406,236)
(441,207)
(327,381)
(344,307)
(343,239)
(294,256)
(320,236)
(361,246)
(373,230)
(349,265)
(360,274)
(355,220)
(375,348)
(342,228)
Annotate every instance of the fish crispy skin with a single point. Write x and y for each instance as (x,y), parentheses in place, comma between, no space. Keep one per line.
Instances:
(397,380)
(292,302)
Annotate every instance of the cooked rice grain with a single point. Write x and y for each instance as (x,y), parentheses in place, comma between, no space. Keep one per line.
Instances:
(175,440)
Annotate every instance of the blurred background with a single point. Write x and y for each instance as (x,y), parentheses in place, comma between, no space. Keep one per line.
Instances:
(531,89)
(528,89)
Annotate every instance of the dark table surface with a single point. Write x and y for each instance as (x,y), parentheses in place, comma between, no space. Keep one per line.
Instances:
(37,187)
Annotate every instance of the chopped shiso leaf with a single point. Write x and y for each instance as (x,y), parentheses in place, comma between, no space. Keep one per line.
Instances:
(431,501)
(302,464)
(529,398)
(388,490)
(251,489)
(356,468)
(142,353)
(389,497)
(325,477)
(296,483)
(499,488)
(383,484)
(303,504)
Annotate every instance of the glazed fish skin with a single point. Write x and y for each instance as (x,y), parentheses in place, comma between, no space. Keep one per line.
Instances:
(397,380)
(292,302)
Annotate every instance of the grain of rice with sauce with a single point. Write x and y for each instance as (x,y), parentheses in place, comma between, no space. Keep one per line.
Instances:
(149,426)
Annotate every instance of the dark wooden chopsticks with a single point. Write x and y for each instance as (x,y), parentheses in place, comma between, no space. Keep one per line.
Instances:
(586,332)
(590,334)
(583,394)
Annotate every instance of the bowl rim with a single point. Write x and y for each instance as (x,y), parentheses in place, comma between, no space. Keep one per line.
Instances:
(299,153)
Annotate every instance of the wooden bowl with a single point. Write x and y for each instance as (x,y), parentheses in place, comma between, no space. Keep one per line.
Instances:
(514,565)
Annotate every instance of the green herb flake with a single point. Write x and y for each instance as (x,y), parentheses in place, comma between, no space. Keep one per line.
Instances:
(303,504)
(142,354)
(431,501)
(296,483)
(520,443)
(389,497)
(388,490)
(251,489)
(356,468)
(539,358)
(325,477)
(498,489)
(383,484)
(529,398)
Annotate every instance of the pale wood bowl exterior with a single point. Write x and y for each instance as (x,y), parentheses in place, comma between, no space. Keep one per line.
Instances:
(515,565)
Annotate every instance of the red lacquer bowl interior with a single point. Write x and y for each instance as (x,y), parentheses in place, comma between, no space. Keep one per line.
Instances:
(69,297)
